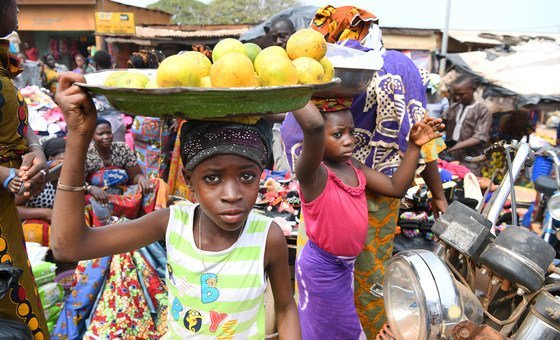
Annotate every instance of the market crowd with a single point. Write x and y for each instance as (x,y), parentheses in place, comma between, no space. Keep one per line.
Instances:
(160,212)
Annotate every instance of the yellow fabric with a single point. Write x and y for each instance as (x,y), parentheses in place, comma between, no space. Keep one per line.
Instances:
(342,23)
(13,121)
(50,74)
(34,231)
(431,150)
(177,184)
(9,61)
(370,264)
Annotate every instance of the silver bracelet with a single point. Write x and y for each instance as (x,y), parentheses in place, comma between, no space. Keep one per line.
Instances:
(35,144)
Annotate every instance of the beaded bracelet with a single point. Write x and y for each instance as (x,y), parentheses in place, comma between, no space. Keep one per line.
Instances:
(70,188)
(9,178)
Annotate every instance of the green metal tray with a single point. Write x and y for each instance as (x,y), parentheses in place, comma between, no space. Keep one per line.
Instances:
(203,103)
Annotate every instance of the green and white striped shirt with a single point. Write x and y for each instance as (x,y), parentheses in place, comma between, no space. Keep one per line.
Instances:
(225,300)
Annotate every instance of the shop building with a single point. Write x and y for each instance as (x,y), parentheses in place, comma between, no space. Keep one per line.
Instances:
(67,27)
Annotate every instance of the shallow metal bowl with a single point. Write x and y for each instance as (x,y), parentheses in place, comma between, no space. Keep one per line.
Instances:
(202,103)
(353,82)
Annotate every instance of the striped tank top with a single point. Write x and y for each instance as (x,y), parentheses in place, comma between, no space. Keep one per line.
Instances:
(223,300)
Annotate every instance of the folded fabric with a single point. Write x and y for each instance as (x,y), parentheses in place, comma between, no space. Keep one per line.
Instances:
(90,276)
(455,169)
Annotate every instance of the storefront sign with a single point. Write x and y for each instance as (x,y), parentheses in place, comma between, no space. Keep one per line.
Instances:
(115,23)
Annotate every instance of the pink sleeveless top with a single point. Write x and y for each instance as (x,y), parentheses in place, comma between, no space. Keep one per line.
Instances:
(337,220)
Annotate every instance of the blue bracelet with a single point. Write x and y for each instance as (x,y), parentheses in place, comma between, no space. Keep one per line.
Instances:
(9,178)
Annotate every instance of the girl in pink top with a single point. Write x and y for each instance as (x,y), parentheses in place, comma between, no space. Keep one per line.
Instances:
(332,190)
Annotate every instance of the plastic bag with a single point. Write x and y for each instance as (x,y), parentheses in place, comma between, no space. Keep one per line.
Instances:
(9,277)
(14,330)
(43,272)
(50,294)
(348,57)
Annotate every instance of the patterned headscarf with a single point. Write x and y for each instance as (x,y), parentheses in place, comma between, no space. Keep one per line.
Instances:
(203,139)
(9,61)
(332,104)
(343,23)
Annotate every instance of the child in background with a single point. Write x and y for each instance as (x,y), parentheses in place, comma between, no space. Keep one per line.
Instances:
(219,251)
(332,192)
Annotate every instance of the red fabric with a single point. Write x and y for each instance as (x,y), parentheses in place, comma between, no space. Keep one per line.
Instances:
(337,220)
(32,54)
(455,169)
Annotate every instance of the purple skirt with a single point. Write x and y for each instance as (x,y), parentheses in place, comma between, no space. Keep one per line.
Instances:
(326,295)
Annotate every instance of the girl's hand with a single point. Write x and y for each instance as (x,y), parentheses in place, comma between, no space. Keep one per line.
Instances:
(79,112)
(14,185)
(427,129)
(99,194)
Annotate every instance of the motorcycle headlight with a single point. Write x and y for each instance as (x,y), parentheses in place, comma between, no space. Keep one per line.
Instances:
(422,299)
(553,206)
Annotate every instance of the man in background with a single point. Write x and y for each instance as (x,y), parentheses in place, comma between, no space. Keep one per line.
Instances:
(468,124)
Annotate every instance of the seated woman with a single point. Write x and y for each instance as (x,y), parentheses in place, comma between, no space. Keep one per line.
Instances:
(117,186)
(36,213)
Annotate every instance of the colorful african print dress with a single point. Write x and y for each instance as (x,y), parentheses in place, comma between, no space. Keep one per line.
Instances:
(21,303)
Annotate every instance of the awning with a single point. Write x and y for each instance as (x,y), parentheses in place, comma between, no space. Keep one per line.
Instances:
(499,38)
(157,32)
(530,71)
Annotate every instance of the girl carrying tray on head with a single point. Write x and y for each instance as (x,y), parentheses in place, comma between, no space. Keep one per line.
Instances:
(220,252)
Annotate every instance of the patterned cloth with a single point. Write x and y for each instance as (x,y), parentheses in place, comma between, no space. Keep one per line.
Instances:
(21,303)
(45,199)
(123,310)
(384,114)
(121,156)
(203,139)
(177,184)
(343,23)
(153,145)
(369,267)
(78,305)
(122,297)
(131,204)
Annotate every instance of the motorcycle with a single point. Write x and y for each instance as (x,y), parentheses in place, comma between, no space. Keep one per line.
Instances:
(547,204)
(476,284)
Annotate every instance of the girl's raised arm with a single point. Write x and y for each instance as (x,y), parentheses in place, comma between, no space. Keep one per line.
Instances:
(396,186)
(309,172)
(71,238)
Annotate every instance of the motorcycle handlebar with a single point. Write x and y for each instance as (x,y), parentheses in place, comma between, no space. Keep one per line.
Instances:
(475,159)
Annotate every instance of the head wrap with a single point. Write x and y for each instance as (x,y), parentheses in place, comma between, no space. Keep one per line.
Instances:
(9,61)
(203,139)
(101,121)
(54,147)
(332,104)
(343,23)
